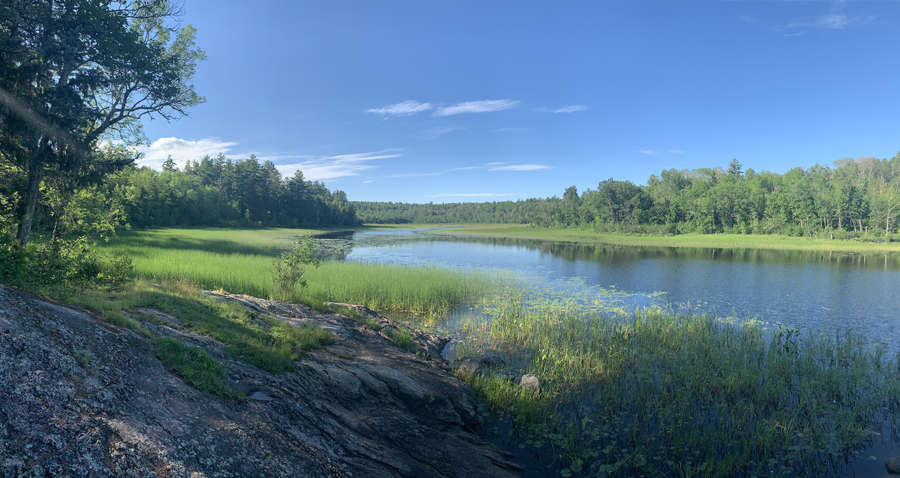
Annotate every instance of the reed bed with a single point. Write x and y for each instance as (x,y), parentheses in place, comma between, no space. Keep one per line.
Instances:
(657,393)
(721,241)
(241,262)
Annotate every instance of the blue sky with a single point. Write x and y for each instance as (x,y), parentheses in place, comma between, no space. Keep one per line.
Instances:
(477,101)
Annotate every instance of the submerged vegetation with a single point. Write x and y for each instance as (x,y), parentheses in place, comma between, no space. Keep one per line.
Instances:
(657,393)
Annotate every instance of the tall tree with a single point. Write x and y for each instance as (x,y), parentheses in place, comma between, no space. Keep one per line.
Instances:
(75,71)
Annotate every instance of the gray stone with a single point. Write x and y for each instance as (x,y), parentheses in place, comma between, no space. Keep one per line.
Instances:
(260,396)
(467,368)
(84,398)
(530,382)
(893,465)
(493,360)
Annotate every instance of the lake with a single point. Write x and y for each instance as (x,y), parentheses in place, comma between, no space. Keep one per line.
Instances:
(800,289)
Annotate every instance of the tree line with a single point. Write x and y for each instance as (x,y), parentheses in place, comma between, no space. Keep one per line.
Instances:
(855,198)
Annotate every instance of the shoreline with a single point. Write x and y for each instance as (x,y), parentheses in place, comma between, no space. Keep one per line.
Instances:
(711,241)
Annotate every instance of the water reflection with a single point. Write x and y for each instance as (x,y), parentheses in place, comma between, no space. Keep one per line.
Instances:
(815,290)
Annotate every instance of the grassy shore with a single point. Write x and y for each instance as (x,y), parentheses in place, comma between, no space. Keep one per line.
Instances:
(241,261)
(655,393)
(749,241)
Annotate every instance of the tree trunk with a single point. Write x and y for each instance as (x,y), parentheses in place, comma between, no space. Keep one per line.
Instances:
(34,189)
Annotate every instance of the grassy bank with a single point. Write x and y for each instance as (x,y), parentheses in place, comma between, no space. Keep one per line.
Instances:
(241,261)
(656,393)
(749,241)
(266,343)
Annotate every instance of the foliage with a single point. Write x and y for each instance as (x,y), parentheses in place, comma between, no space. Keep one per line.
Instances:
(72,72)
(222,192)
(66,261)
(290,268)
(858,199)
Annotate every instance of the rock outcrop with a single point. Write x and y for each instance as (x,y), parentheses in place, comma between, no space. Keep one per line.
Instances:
(80,397)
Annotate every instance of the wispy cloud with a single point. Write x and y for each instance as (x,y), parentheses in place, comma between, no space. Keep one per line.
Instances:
(367,182)
(404,108)
(749,19)
(644,151)
(836,19)
(483,106)
(181,150)
(333,167)
(410,107)
(564,109)
(469,195)
(519,167)
(676,151)
(503,167)
(438,131)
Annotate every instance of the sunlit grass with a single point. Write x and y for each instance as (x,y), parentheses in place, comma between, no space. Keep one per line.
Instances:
(657,393)
(273,346)
(241,262)
(754,241)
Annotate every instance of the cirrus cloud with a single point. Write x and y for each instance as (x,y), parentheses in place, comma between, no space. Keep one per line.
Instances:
(332,167)
(564,109)
(503,167)
(404,108)
(483,106)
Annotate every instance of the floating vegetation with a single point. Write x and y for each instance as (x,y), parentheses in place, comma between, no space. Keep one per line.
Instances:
(657,393)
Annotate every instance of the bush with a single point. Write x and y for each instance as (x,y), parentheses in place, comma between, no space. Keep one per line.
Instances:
(62,262)
(289,270)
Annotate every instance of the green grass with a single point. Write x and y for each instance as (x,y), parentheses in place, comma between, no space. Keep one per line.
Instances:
(754,241)
(194,365)
(273,346)
(241,261)
(656,393)
(401,338)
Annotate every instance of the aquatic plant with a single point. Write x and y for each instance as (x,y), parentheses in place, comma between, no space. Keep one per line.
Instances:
(657,393)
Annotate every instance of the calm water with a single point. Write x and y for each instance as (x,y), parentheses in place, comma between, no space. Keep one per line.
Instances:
(805,290)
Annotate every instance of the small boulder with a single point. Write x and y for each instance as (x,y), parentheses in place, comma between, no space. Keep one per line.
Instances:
(492,360)
(467,368)
(260,396)
(530,382)
(893,465)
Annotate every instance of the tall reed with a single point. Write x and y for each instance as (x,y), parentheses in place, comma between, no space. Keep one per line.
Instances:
(241,261)
(658,393)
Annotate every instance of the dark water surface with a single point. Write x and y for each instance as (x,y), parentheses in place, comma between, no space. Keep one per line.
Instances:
(827,291)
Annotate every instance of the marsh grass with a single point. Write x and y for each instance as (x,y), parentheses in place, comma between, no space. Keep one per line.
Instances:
(727,241)
(242,262)
(658,393)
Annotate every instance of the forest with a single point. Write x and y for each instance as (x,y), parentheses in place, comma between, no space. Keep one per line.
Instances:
(856,198)
(207,192)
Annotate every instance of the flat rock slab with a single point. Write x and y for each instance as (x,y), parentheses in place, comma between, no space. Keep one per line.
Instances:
(84,398)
